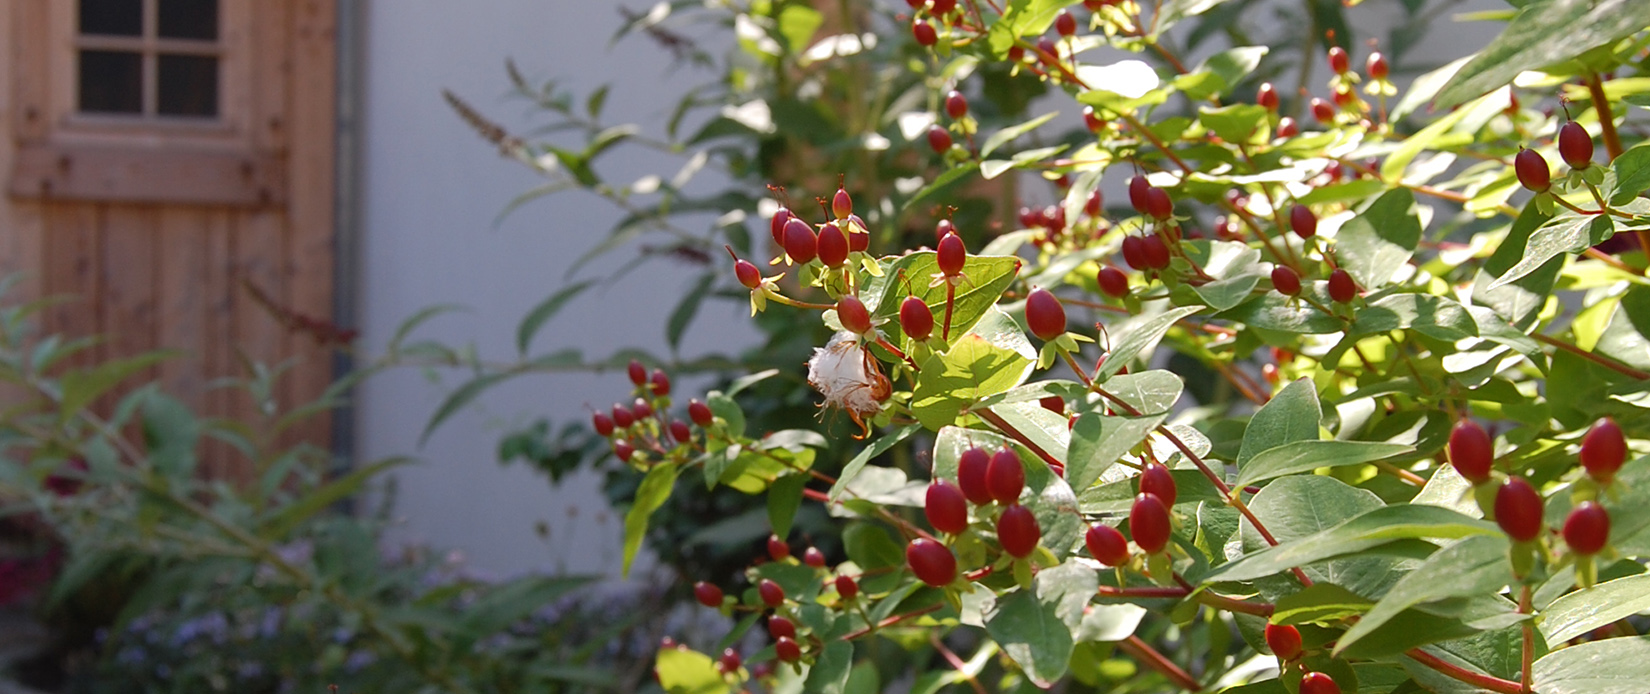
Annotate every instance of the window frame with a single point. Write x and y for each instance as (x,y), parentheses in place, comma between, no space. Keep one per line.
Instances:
(64,153)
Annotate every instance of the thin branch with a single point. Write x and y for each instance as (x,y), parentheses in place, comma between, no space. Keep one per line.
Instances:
(1144,653)
(1599,359)
(1456,672)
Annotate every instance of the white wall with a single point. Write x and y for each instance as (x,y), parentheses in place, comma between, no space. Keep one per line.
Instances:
(430,191)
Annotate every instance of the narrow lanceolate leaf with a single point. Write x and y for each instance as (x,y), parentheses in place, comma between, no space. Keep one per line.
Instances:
(1141,336)
(1367,531)
(1611,666)
(652,493)
(1542,34)
(1585,610)
(1476,565)
(1566,233)
(1291,415)
(543,312)
(1306,456)
(878,448)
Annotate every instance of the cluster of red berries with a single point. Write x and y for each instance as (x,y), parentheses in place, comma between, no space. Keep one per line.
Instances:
(771,596)
(1518,508)
(939,11)
(1575,146)
(1285,642)
(956,107)
(831,244)
(644,423)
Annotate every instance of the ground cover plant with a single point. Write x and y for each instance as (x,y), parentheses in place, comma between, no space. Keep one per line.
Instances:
(1351,401)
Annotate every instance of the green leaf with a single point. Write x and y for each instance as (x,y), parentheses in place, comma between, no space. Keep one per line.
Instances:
(1611,666)
(497,609)
(1150,392)
(170,435)
(1236,123)
(1031,632)
(82,386)
(1291,415)
(1624,337)
(1233,64)
(459,398)
(986,278)
(287,517)
(865,455)
(1542,34)
(1306,456)
(1632,171)
(1302,506)
(686,309)
(1373,245)
(1474,566)
(1008,134)
(543,312)
(1068,589)
(1428,314)
(784,498)
(1519,301)
(797,24)
(1138,336)
(650,495)
(417,319)
(829,674)
(1022,18)
(1568,232)
(1366,531)
(973,369)
(1585,610)
(1274,311)
(682,671)
(870,546)
(1319,602)
(1098,442)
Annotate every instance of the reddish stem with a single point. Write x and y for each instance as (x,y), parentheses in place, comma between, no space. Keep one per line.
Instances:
(1143,652)
(1456,672)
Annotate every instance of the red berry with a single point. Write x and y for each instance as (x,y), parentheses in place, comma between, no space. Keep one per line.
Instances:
(916,319)
(972,467)
(1137,193)
(1107,545)
(1286,281)
(661,383)
(679,430)
(946,508)
(1341,287)
(931,562)
(1053,403)
(623,451)
(1044,314)
(956,105)
(1339,61)
(1518,509)
(1065,24)
(951,255)
(1303,222)
(1287,127)
(641,409)
(1018,532)
(1603,450)
(777,548)
(1319,683)
(800,243)
(1343,98)
(700,413)
(787,649)
(1323,110)
(939,139)
(772,595)
(1155,251)
(1091,206)
(1155,479)
(638,373)
(813,557)
(729,662)
(747,273)
(622,416)
(832,246)
(1587,529)
(602,423)
(1113,282)
(858,240)
(1048,53)
(1016,54)
(944,7)
(1091,120)
(1471,451)
(776,226)
(1284,641)
(851,312)
(780,627)
(841,204)
(1158,204)
(707,594)
(924,33)
(1149,522)
(943,228)
(1376,66)
(846,587)
(1575,145)
(1005,476)
(1532,170)
(1267,96)
(1134,253)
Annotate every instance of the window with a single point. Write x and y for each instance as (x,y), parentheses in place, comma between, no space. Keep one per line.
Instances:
(148,58)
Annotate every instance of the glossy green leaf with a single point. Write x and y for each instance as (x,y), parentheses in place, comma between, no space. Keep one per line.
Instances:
(682,671)
(1518,301)
(1306,456)
(973,369)
(1474,566)
(1138,336)
(1632,171)
(1542,34)
(1611,666)
(1566,233)
(1098,442)
(1368,530)
(1007,135)
(1291,415)
(870,546)
(1373,245)
(865,455)
(784,498)
(985,276)
(830,672)
(650,495)
(1587,609)
(1031,632)
(544,311)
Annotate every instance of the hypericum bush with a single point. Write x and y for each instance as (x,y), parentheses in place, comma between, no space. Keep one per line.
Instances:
(1106,495)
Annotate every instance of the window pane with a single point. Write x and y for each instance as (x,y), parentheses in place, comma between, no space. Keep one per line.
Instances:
(188,85)
(111,17)
(111,82)
(189,19)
